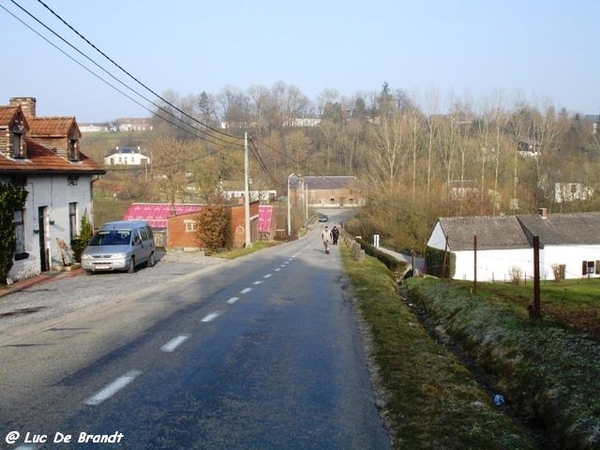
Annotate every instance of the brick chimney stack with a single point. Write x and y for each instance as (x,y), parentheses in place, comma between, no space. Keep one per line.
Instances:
(27,104)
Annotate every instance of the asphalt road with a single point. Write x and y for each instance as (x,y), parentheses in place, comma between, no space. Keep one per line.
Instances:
(259,353)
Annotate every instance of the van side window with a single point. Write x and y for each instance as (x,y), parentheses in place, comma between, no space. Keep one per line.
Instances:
(150,233)
(143,233)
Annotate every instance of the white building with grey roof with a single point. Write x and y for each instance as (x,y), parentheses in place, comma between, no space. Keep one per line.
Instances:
(494,247)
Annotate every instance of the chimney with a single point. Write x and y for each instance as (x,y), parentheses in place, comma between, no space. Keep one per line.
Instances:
(27,104)
(543,213)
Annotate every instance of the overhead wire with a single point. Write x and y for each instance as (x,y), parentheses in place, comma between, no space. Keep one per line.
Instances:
(200,133)
(303,166)
(198,130)
(131,76)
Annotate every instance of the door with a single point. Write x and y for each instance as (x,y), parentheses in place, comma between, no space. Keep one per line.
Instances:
(44,252)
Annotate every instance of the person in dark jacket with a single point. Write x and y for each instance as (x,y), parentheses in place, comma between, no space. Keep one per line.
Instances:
(335,234)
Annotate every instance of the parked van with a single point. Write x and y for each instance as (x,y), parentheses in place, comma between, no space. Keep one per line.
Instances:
(121,245)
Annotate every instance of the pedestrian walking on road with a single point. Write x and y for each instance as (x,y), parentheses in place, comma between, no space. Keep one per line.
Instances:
(326,237)
(335,234)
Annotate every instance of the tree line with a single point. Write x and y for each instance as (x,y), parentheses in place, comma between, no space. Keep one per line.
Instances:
(487,156)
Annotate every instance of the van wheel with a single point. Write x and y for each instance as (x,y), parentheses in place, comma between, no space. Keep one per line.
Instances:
(131,268)
(151,261)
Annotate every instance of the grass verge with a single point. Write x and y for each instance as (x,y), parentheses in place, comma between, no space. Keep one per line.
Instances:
(547,369)
(431,399)
(255,247)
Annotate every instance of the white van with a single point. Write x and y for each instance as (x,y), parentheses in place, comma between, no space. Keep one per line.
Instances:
(121,245)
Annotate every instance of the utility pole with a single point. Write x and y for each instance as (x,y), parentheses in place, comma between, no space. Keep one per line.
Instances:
(474,264)
(246,193)
(289,207)
(537,310)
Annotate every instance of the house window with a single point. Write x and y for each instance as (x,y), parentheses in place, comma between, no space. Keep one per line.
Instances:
(190,226)
(72,151)
(332,200)
(19,218)
(588,268)
(72,221)
(18,145)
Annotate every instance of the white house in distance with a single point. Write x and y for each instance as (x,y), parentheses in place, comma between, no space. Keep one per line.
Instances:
(127,156)
(569,244)
(42,155)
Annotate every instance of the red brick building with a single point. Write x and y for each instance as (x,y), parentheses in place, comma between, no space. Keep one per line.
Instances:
(182,232)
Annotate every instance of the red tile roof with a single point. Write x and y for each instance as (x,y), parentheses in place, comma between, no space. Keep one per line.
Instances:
(50,126)
(6,114)
(41,159)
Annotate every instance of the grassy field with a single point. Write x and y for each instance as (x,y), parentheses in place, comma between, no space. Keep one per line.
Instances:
(431,400)
(574,303)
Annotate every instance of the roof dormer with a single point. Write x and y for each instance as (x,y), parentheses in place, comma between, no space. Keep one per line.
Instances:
(13,128)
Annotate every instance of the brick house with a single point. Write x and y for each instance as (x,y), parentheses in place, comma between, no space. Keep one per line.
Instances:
(182,232)
(327,191)
(42,155)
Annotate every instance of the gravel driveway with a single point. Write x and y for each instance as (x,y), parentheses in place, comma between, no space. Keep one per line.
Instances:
(49,303)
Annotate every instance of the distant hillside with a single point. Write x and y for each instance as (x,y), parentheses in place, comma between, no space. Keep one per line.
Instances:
(100,144)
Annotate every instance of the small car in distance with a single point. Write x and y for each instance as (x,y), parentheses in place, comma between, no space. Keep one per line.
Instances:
(323,218)
(121,245)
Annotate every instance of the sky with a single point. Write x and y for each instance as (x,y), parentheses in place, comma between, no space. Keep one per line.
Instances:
(543,52)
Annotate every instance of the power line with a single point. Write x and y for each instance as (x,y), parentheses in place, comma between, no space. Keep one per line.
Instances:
(112,76)
(131,76)
(305,167)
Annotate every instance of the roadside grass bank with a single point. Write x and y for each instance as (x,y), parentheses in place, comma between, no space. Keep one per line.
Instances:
(431,400)
(548,370)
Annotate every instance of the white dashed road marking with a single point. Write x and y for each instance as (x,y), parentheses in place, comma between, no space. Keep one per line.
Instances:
(232,300)
(257,282)
(212,316)
(174,343)
(113,388)
(269,275)
(246,290)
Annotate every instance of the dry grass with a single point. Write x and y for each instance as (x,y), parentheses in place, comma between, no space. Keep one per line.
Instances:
(432,401)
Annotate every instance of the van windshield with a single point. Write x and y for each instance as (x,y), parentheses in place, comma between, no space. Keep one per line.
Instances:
(111,237)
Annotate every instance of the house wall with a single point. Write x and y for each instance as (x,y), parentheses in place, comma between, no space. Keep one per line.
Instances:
(493,265)
(181,237)
(134,159)
(55,193)
(570,255)
(238,222)
(437,239)
(333,198)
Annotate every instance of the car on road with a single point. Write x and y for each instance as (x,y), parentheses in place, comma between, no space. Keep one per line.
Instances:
(323,218)
(121,245)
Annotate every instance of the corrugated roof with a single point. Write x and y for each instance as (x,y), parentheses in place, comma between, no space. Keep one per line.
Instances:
(265,218)
(156,214)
